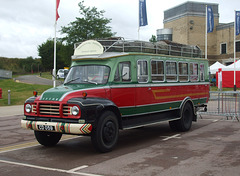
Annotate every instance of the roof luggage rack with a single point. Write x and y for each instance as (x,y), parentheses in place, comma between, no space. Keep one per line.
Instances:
(119,44)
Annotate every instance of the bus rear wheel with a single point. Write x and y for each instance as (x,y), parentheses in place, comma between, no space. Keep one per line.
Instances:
(185,123)
(105,135)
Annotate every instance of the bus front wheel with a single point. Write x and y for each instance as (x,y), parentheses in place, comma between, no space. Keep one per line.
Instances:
(105,134)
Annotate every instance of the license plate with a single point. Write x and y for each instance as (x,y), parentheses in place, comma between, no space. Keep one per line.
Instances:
(46,128)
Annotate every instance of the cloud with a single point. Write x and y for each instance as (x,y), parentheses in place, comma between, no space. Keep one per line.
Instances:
(25,24)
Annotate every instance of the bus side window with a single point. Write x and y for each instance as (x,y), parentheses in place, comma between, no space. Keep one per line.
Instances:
(157,70)
(183,71)
(142,71)
(193,72)
(202,78)
(123,72)
(171,71)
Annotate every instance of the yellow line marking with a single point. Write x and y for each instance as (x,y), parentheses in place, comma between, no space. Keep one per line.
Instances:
(18,146)
(31,144)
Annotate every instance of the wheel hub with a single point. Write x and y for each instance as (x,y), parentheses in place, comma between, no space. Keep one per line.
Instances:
(109,132)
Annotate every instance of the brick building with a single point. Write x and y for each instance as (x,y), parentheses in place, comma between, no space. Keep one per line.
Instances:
(185,24)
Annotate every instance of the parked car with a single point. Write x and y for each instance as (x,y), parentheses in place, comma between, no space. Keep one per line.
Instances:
(61,72)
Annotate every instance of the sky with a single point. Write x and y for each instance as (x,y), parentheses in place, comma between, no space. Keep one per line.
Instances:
(26,24)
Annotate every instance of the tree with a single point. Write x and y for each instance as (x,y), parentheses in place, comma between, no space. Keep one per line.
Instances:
(46,52)
(153,39)
(91,25)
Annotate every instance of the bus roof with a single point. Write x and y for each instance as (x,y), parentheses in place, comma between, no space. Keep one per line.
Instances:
(114,47)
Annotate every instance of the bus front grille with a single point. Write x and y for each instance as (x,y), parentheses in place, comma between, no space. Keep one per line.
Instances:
(49,109)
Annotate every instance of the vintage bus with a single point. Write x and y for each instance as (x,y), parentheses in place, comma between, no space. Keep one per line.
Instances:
(117,84)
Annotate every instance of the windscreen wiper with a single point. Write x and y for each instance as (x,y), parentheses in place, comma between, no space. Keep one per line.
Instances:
(92,82)
(71,80)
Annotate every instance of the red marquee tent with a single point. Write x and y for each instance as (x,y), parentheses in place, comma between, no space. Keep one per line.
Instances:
(228,78)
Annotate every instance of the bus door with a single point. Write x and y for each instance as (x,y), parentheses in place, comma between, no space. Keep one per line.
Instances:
(122,88)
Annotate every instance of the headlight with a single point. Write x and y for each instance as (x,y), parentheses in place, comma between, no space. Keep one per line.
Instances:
(28,108)
(75,110)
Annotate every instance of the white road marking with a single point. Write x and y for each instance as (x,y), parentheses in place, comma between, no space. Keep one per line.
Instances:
(78,168)
(176,136)
(49,168)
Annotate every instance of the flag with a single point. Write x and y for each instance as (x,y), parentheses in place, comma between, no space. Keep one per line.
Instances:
(57,4)
(142,13)
(237,21)
(210,19)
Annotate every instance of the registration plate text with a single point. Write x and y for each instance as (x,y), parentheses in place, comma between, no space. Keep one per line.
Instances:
(46,128)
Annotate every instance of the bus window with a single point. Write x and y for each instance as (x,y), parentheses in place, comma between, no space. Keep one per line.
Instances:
(157,70)
(142,70)
(123,72)
(202,72)
(193,72)
(171,71)
(183,71)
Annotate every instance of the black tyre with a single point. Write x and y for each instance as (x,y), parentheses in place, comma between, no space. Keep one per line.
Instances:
(105,135)
(47,139)
(185,123)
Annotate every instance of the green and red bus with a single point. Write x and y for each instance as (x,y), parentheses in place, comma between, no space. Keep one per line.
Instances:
(116,84)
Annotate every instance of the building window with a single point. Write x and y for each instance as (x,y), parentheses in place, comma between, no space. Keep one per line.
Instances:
(238,46)
(223,48)
(164,37)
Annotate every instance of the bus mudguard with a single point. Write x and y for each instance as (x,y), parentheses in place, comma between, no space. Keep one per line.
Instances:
(92,108)
(188,100)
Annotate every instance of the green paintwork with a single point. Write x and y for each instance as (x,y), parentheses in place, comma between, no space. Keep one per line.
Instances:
(54,94)
(156,107)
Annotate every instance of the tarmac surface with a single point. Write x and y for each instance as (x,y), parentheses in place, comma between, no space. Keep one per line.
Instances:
(35,79)
(11,110)
(210,148)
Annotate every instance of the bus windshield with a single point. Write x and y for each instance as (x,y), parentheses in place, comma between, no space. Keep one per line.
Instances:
(88,74)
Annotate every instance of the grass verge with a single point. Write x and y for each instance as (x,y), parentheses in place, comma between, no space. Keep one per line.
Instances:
(19,91)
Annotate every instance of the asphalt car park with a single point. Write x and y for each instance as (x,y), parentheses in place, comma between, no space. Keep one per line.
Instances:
(211,147)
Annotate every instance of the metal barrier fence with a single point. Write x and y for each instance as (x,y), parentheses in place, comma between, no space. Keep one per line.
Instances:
(223,103)
(5,74)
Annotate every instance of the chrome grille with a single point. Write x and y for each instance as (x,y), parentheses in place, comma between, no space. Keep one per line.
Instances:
(49,109)
(34,108)
(67,110)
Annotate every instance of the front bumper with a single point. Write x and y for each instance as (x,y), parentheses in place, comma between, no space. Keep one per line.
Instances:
(60,127)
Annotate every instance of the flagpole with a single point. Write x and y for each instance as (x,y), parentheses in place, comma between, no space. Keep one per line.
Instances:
(234,48)
(138,19)
(206,35)
(54,59)
(55,43)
